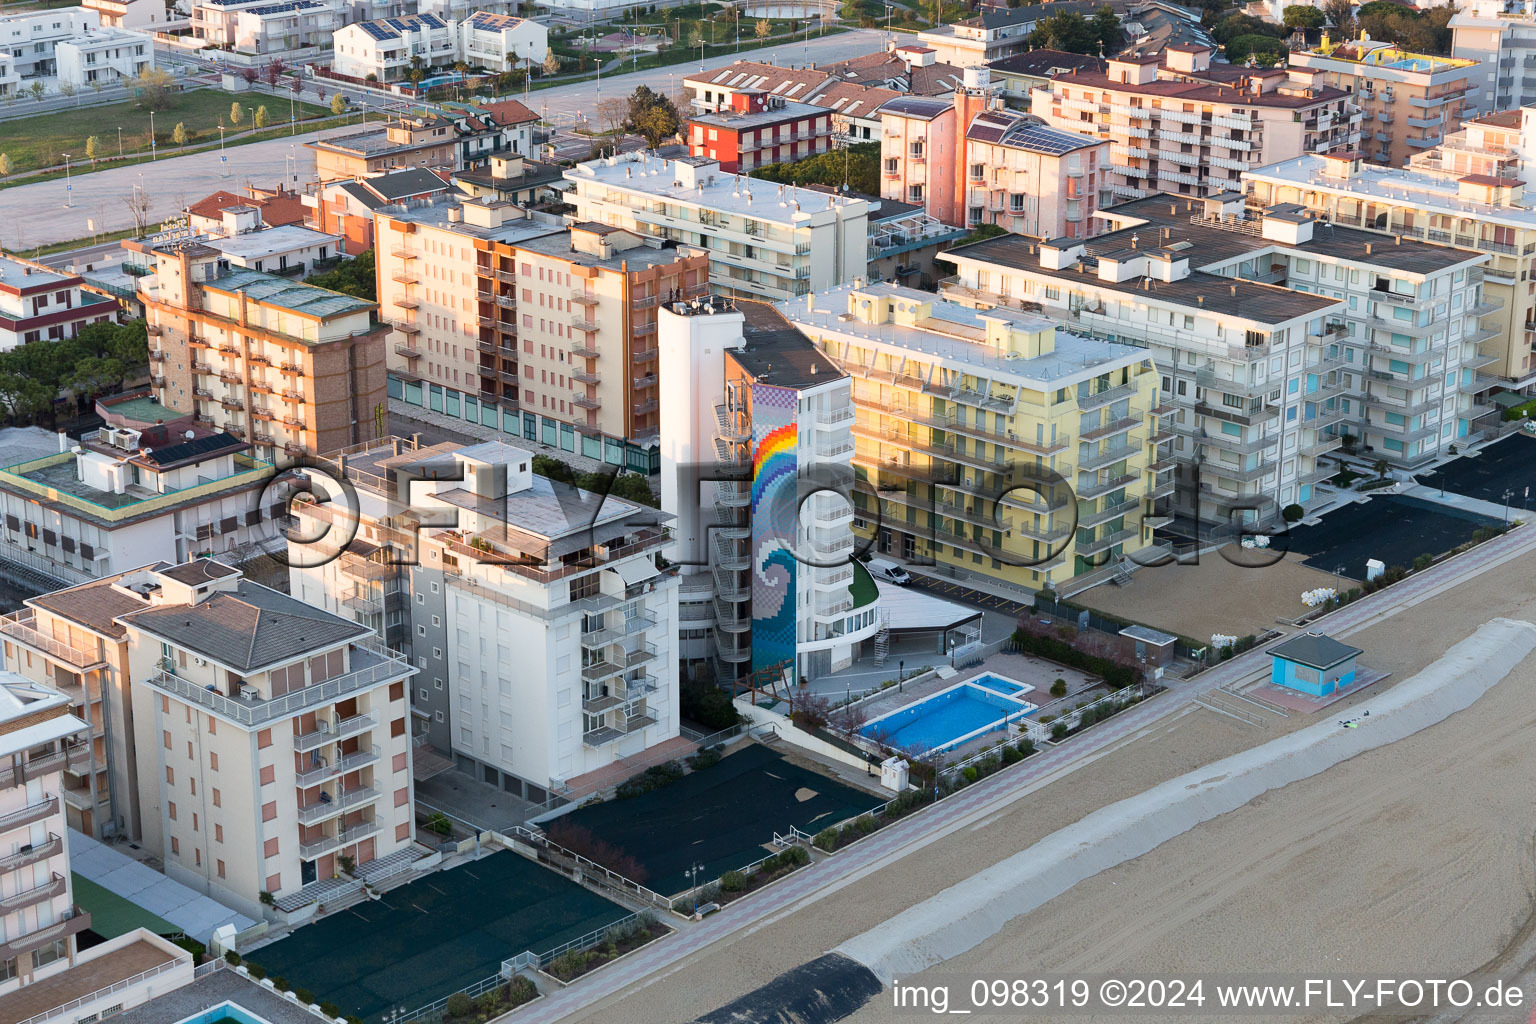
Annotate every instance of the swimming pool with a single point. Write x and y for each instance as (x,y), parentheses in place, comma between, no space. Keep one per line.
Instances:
(951,717)
(449,79)
(224,1013)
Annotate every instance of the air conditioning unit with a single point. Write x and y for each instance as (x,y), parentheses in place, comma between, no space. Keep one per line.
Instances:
(198,661)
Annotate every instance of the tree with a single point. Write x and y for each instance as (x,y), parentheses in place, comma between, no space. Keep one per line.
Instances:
(652,116)
(551,63)
(338,103)
(261,116)
(5,164)
(1106,26)
(37,89)
(153,87)
(353,277)
(92,149)
(1298,16)
(696,37)
(613,111)
(274,71)
(858,166)
(179,133)
(138,204)
(1235,25)
(66,89)
(250,75)
(762,30)
(94,375)
(234,114)
(1262,49)
(1071,32)
(417,71)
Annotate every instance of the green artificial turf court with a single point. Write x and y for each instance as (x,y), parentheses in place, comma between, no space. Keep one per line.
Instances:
(720,817)
(435,936)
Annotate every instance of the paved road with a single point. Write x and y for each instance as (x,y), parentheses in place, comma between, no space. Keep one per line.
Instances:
(35,214)
(993,794)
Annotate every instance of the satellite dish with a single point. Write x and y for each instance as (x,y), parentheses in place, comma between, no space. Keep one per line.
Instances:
(190,435)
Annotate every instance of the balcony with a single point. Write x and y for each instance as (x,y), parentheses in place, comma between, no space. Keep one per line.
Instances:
(32,853)
(581,323)
(408,351)
(645,355)
(587,377)
(404,277)
(584,350)
(1107,396)
(75,920)
(1110,456)
(314,850)
(349,763)
(1109,512)
(584,298)
(44,808)
(585,402)
(19,626)
(1099,488)
(327,732)
(327,807)
(1119,426)
(1106,542)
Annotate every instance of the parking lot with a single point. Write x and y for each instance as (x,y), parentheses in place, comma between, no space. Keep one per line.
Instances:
(1504,466)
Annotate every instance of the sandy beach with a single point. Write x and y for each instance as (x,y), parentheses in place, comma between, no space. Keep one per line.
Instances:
(1416,856)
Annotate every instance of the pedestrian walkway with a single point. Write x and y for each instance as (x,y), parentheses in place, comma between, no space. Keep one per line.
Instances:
(1488,508)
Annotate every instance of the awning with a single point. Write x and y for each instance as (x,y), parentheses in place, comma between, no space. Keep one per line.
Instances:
(638,571)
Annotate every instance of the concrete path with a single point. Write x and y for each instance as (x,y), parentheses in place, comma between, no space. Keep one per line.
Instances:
(1454,500)
(993,794)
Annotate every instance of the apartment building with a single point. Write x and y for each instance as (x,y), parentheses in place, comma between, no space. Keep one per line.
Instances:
(713,90)
(38,916)
(1190,127)
(345,208)
(756,467)
(1468,193)
(1410,101)
(387,50)
(433,141)
(501,42)
(1500,36)
(1274,336)
(276,27)
(291,368)
(152,483)
(540,622)
(272,736)
(1031,179)
(39,303)
(755,129)
(764,241)
(146,15)
(31,38)
(1019,74)
(989,443)
(922,139)
(108,56)
(69,640)
(994,34)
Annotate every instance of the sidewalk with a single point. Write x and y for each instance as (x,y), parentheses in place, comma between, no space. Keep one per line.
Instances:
(1454,500)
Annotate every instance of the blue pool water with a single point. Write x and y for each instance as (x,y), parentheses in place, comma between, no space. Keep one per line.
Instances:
(223,1013)
(997,684)
(946,719)
(427,83)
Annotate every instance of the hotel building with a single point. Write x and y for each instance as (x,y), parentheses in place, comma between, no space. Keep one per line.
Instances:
(990,443)
(764,241)
(290,368)
(1273,335)
(38,303)
(538,619)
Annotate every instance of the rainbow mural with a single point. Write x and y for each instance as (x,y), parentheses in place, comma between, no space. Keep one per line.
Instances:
(775,469)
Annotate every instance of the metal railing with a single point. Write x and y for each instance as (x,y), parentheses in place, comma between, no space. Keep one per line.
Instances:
(309,851)
(390,667)
(19,626)
(342,765)
(117,986)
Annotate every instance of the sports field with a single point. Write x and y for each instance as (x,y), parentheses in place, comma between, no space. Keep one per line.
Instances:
(722,817)
(428,939)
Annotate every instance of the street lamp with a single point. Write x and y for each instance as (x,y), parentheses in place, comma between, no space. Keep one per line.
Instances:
(68,188)
(153,151)
(119,142)
(223,160)
(693,880)
(1507,494)
(901,675)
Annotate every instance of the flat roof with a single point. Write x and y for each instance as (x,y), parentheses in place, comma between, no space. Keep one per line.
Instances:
(776,353)
(956,334)
(255,245)
(271,290)
(1397,186)
(433,212)
(721,190)
(639,257)
(1223,91)
(759,118)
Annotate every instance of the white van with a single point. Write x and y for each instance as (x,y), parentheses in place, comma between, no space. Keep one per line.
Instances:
(883,569)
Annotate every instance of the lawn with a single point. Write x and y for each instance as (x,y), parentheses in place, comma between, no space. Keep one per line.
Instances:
(43,140)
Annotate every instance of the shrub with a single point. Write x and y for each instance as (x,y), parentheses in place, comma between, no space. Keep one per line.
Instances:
(579,840)
(1059,688)
(705,759)
(440,824)
(232,958)
(267,899)
(330,1009)
(1293,513)
(970,773)
(191,945)
(1025,746)
(1011,755)
(1058,730)
(826,839)
(1423,562)
(733,881)
(257,971)
(521,991)
(460,1005)
(280,983)
(304,995)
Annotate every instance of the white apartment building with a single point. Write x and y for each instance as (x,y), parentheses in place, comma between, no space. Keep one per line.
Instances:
(1273,335)
(764,241)
(501,42)
(38,302)
(1501,36)
(756,467)
(386,48)
(38,916)
(151,484)
(271,736)
(1468,193)
(31,38)
(276,27)
(1179,124)
(145,15)
(539,622)
(105,56)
